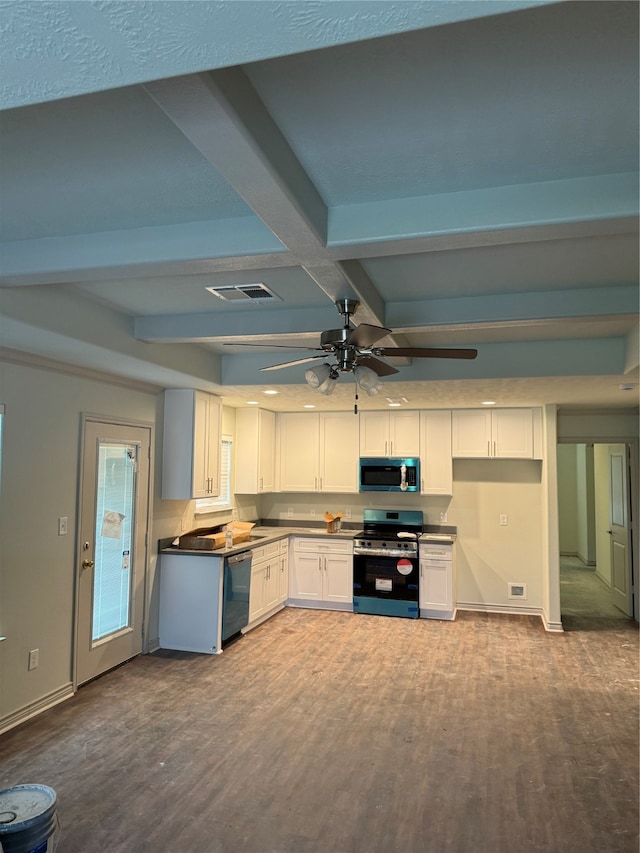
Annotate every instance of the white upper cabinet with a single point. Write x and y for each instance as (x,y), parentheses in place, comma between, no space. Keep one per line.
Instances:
(318,452)
(191,445)
(338,462)
(390,433)
(495,433)
(298,443)
(436,464)
(255,466)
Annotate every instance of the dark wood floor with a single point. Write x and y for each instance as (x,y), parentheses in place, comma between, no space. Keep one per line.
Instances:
(324,732)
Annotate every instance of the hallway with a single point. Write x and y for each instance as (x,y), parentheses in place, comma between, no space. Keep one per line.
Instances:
(585,600)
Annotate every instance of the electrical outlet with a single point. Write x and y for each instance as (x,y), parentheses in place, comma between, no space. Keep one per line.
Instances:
(312,513)
(63,522)
(504,520)
(290,512)
(347,513)
(443,516)
(34,658)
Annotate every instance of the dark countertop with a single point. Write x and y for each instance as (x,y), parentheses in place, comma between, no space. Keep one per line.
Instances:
(263,536)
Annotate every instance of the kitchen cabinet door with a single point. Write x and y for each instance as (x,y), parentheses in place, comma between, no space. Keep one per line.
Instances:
(338,578)
(471,433)
(255,451)
(436,463)
(305,581)
(283,571)
(298,442)
(404,433)
(512,433)
(339,442)
(191,445)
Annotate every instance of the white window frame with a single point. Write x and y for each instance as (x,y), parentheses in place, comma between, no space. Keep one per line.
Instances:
(224,501)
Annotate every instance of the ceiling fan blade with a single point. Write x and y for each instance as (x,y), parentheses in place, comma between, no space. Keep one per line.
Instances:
(271,346)
(376,365)
(366,335)
(291,363)
(425,352)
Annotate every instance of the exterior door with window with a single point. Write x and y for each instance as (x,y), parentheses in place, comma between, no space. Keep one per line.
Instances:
(112,553)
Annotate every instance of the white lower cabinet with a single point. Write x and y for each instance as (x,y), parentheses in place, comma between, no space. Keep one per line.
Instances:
(437,580)
(266,583)
(321,573)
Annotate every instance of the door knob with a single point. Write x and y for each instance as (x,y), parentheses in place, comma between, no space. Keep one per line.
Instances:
(87,564)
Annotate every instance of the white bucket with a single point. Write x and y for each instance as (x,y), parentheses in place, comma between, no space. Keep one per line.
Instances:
(27,819)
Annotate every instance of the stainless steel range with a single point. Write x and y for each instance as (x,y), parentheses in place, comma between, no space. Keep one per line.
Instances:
(385,563)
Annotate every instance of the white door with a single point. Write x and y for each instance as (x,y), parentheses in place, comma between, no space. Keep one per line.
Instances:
(112,554)
(621,589)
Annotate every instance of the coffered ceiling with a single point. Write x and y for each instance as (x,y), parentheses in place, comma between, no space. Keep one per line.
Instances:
(467,171)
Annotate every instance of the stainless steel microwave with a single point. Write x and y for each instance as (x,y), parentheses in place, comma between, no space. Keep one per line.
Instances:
(389,475)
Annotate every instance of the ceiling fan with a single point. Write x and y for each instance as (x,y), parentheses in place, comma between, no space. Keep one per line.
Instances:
(354,350)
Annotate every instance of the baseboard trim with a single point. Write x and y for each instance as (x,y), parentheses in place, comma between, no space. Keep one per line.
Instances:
(319,605)
(153,646)
(35,708)
(501,608)
(552,627)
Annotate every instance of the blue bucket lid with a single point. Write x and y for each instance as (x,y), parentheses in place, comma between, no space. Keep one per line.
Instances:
(24,806)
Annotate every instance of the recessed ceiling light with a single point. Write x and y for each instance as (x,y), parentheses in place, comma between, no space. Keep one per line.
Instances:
(252,402)
(309,406)
(488,402)
(394,405)
(628,386)
(396,401)
(270,391)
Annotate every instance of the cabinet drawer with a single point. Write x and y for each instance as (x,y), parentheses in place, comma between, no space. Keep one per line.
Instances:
(323,546)
(265,552)
(436,552)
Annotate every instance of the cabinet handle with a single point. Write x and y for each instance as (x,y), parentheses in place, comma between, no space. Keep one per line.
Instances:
(390,448)
(320,483)
(488,448)
(385,448)
(494,448)
(261,483)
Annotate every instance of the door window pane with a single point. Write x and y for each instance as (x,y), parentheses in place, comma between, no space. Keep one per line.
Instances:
(115,492)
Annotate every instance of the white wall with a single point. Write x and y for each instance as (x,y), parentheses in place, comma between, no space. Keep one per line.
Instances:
(40,464)
(567,498)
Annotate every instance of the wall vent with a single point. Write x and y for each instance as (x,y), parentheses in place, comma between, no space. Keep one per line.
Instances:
(244,293)
(518,590)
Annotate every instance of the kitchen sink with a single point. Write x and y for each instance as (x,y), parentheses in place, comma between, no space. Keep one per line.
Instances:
(257,536)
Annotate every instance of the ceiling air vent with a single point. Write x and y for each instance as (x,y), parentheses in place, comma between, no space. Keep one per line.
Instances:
(244,293)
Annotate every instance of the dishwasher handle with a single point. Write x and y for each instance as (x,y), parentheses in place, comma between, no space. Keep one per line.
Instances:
(242,557)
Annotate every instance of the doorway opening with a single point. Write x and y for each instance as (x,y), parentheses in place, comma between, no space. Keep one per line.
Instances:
(596,508)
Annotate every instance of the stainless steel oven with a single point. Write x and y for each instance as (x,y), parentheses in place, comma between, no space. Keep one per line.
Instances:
(385,564)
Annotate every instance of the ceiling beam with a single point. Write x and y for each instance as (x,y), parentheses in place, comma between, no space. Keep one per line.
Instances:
(221,114)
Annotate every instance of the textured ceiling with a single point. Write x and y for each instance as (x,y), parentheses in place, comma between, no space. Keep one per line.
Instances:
(467,171)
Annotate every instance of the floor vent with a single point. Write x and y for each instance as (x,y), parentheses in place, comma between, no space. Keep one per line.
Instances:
(518,590)
(244,293)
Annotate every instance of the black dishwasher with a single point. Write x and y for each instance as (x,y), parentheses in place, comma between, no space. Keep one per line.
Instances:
(235,602)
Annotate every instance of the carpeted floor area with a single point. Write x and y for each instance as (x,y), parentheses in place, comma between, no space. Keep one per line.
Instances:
(326,732)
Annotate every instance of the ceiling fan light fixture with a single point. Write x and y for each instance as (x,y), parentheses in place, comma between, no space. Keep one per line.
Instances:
(368,380)
(316,375)
(328,386)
